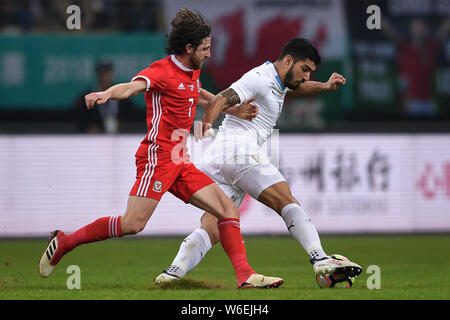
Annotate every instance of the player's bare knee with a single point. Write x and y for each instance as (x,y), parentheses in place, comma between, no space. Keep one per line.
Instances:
(209,224)
(135,228)
(213,232)
(227,209)
(132,226)
(232,211)
(214,237)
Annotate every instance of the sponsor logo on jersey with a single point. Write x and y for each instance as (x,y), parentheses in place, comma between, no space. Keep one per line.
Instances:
(181,86)
(157,186)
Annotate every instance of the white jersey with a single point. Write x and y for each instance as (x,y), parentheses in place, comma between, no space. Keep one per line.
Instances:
(234,160)
(263,84)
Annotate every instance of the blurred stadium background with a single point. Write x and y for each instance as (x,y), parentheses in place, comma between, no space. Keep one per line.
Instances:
(372,157)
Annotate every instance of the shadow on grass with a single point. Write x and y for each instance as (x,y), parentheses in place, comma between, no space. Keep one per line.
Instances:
(10,283)
(186,284)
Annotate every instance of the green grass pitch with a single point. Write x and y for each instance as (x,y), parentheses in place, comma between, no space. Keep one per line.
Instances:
(412,267)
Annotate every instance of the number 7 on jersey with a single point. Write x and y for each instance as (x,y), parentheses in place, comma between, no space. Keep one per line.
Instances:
(191,100)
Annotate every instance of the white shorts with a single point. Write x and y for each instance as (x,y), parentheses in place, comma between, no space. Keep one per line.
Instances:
(239,174)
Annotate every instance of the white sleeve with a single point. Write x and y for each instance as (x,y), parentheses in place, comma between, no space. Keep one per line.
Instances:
(143,77)
(247,86)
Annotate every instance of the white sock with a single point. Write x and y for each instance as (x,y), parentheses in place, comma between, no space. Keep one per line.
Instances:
(303,230)
(192,250)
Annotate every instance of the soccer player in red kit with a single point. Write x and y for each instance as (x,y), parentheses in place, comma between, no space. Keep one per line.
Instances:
(172,91)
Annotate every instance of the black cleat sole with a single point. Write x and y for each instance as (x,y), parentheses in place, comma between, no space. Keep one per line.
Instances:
(348,271)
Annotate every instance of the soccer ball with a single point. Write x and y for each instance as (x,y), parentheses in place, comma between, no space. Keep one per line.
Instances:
(335,280)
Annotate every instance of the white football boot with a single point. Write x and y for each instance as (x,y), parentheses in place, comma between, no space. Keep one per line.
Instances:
(258,281)
(337,265)
(52,254)
(172,273)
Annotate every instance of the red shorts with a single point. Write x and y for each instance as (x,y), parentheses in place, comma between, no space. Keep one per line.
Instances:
(182,180)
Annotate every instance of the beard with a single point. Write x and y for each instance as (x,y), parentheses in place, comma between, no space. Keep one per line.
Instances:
(196,63)
(289,80)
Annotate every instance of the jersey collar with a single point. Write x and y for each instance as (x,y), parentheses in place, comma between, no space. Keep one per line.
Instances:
(275,73)
(179,64)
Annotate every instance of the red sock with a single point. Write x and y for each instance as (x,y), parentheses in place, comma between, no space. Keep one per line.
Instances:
(98,230)
(233,244)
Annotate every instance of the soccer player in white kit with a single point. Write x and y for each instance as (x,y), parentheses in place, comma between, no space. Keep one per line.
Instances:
(235,163)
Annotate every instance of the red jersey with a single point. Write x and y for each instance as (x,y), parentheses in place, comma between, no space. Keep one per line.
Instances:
(171,98)
(417,67)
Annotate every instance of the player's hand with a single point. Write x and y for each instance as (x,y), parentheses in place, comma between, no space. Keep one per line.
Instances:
(247,111)
(94,98)
(335,81)
(202,130)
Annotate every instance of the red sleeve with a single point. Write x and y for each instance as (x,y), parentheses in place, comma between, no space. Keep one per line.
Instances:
(155,76)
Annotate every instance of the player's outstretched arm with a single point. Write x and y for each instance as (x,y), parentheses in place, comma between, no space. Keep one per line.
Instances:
(117,92)
(314,87)
(245,110)
(226,98)
(205,98)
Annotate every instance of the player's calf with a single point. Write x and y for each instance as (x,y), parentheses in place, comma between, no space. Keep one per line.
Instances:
(192,251)
(139,210)
(60,243)
(132,227)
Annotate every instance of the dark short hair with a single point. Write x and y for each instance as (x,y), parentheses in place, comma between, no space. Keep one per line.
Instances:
(300,49)
(188,27)
(103,66)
